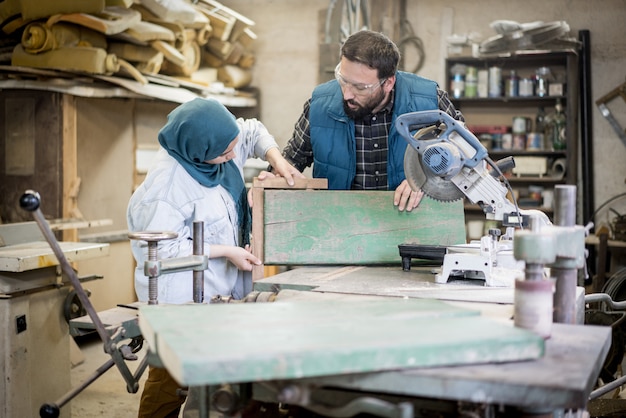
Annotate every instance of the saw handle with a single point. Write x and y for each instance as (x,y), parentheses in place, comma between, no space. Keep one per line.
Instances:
(418,120)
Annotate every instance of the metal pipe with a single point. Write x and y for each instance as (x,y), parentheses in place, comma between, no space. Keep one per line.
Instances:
(198,249)
(586,124)
(52,410)
(565,205)
(566,278)
(607,388)
(153,280)
(565,295)
(606,298)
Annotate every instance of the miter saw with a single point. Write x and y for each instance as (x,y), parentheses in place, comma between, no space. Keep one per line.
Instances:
(447,162)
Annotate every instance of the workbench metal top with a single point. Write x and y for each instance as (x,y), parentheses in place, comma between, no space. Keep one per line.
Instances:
(562,378)
(419,282)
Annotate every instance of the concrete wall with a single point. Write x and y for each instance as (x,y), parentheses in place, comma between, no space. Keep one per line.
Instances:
(287,58)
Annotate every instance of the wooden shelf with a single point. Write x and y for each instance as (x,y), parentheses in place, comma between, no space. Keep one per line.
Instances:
(500,111)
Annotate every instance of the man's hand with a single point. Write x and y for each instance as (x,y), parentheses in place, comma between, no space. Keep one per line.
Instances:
(405,198)
(281,167)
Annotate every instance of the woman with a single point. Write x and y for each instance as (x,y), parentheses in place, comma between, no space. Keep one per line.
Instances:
(198,176)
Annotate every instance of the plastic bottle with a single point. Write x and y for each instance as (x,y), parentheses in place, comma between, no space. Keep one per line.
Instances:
(457,85)
(540,121)
(542,76)
(557,129)
(471,82)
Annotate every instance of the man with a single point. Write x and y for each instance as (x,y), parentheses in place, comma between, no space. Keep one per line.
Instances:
(347,129)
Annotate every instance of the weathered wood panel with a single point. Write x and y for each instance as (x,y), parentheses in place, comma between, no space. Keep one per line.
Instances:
(315,227)
(286,340)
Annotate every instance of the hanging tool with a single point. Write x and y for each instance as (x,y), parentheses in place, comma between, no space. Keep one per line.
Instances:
(619,91)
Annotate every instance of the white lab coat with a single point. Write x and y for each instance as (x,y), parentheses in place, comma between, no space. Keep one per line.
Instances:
(171,200)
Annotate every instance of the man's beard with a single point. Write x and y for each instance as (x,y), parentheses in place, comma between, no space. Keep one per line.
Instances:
(363,110)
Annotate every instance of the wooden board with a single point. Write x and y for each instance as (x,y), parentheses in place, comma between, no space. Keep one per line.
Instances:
(38,254)
(203,344)
(110,21)
(351,227)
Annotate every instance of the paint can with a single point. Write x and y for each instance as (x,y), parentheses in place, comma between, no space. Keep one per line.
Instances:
(526,87)
(507,141)
(519,141)
(521,124)
(512,85)
(495,81)
(534,141)
(482,88)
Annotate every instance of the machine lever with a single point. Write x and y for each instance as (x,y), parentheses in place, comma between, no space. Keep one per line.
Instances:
(30,201)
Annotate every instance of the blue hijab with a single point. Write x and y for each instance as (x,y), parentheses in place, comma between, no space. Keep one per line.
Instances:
(198,131)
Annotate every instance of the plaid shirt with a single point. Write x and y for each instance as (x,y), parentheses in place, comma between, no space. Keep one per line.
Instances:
(371,135)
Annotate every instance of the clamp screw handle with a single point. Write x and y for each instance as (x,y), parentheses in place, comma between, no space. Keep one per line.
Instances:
(30,201)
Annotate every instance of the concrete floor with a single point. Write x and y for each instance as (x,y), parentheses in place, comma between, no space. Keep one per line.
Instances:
(107,396)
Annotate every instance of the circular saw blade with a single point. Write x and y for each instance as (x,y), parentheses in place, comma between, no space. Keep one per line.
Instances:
(433,186)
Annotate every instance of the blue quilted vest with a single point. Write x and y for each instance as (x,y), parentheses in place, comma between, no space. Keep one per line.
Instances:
(332,132)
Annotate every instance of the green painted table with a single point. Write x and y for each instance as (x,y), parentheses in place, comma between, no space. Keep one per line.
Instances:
(233,343)
(378,330)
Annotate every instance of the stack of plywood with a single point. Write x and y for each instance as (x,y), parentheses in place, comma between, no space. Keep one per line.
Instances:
(203,42)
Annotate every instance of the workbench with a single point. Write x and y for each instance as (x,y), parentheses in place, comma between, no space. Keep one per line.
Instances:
(266,344)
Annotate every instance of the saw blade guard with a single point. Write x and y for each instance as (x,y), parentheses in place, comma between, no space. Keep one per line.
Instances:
(416,125)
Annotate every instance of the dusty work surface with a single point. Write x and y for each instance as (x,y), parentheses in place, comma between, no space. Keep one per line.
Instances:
(419,282)
(228,343)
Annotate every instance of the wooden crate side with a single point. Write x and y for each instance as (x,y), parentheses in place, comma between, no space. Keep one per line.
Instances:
(316,227)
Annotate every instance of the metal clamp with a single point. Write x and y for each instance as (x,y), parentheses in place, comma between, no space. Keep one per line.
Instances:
(153,267)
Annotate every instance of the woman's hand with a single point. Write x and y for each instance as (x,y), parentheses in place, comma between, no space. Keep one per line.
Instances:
(240,257)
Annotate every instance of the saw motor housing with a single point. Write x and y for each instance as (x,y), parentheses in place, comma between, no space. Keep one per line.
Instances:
(447,162)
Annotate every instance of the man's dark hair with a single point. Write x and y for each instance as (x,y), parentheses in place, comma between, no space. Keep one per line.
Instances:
(374,50)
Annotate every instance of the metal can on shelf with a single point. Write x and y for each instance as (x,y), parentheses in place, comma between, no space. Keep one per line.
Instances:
(526,87)
(534,141)
(471,82)
(519,141)
(512,85)
(495,81)
(507,141)
(482,89)
(521,124)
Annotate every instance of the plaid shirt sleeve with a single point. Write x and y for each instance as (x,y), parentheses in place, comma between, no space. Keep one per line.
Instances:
(298,150)
(445,105)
